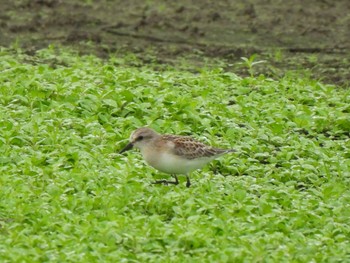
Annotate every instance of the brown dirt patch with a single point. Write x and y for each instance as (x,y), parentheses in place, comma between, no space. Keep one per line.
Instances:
(290,35)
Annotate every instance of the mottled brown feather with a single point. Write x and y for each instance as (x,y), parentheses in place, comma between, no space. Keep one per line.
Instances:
(189,148)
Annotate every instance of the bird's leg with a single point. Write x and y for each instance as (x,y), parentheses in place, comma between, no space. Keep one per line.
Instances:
(176,182)
(188,183)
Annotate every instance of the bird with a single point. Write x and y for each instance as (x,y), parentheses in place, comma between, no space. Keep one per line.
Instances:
(172,154)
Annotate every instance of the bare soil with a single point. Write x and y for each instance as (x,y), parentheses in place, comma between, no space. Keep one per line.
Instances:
(310,36)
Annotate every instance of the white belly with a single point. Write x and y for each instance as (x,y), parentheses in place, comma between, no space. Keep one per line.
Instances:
(173,164)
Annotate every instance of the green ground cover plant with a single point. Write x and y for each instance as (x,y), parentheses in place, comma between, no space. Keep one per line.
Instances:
(66,195)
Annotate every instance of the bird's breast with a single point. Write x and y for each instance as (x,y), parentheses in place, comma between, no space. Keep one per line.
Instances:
(170,163)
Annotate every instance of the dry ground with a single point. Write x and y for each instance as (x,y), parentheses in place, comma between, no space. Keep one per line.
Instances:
(313,35)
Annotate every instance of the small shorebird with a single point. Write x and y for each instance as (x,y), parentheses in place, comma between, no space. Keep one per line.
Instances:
(172,154)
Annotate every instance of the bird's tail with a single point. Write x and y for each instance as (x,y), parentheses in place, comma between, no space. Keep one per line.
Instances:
(224,151)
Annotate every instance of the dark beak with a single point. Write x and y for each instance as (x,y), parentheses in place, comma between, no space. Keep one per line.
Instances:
(127,147)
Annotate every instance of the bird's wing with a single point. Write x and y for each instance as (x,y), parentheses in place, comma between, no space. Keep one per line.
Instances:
(189,148)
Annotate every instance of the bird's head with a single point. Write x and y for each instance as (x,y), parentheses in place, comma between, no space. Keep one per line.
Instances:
(140,138)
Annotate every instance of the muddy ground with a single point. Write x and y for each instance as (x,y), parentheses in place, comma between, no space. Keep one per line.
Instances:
(289,35)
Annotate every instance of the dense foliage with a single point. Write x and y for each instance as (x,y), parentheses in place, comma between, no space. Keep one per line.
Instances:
(66,195)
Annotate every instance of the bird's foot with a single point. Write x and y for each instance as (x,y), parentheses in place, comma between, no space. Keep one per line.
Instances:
(165,182)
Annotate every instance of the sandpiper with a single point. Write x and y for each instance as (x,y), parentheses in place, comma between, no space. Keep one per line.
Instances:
(172,154)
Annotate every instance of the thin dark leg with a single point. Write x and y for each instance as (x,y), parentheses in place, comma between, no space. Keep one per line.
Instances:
(188,183)
(176,182)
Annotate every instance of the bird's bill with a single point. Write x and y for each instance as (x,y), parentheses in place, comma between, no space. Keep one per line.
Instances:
(127,147)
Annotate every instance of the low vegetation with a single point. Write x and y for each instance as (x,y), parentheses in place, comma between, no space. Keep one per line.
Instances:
(66,195)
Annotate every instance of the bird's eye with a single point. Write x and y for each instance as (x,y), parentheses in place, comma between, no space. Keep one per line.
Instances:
(139,138)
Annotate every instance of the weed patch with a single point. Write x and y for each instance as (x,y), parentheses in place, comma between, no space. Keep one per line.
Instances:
(67,196)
